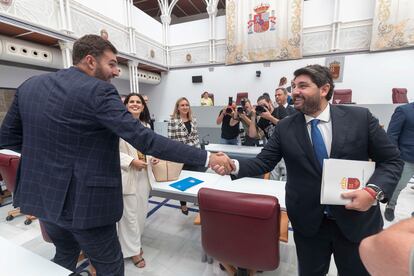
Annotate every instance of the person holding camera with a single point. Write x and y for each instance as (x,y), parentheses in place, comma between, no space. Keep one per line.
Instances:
(269,117)
(230,125)
(245,112)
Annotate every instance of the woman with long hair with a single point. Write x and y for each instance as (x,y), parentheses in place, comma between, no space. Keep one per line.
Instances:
(135,187)
(182,127)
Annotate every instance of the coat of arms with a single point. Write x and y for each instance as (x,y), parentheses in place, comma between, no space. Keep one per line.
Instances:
(261,21)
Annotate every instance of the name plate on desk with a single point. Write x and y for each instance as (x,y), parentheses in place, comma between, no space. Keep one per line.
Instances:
(186,183)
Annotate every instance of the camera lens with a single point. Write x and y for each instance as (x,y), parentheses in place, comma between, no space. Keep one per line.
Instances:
(228,110)
(240,109)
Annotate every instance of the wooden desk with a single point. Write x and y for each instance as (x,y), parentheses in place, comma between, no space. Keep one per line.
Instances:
(17,261)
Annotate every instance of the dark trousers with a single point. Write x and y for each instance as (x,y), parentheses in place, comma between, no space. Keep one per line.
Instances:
(314,253)
(100,244)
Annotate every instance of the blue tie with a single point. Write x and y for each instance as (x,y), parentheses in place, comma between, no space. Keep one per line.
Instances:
(318,143)
(320,153)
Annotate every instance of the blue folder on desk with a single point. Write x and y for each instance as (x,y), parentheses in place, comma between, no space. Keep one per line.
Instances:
(186,183)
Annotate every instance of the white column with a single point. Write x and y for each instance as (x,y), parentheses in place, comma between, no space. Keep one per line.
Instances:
(335,27)
(68,17)
(65,47)
(133,76)
(131,29)
(166,20)
(62,20)
(212,13)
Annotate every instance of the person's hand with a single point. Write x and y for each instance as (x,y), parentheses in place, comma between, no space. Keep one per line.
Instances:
(139,164)
(253,112)
(266,115)
(361,200)
(154,161)
(221,163)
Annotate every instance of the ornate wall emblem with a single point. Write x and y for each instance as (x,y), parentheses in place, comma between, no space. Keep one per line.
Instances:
(188,57)
(152,53)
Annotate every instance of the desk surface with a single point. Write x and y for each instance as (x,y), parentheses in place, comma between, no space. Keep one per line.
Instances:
(215,181)
(17,261)
(245,150)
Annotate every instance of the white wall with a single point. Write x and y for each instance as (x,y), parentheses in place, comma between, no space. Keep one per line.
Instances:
(114,9)
(146,25)
(370,83)
(191,32)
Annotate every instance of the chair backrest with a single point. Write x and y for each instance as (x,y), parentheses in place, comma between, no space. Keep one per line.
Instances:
(399,95)
(211,96)
(342,96)
(240,96)
(240,229)
(8,169)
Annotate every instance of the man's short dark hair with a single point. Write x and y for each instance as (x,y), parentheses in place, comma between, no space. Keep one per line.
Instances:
(320,75)
(93,45)
(285,92)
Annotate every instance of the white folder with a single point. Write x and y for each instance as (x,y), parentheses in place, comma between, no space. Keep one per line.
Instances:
(341,176)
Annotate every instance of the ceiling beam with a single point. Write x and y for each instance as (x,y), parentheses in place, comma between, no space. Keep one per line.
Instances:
(194,6)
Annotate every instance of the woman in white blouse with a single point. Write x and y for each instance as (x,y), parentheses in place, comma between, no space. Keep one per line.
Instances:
(135,187)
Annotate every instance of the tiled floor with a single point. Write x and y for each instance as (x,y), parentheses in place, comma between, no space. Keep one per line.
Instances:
(171,241)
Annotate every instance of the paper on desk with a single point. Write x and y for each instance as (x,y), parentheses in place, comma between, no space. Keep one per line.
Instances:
(341,176)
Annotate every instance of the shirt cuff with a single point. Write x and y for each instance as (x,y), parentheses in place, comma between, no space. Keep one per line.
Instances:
(207,160)
(237,165)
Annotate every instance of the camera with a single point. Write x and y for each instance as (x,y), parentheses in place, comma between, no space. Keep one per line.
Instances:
(240,109)
(229,110)
(260,109)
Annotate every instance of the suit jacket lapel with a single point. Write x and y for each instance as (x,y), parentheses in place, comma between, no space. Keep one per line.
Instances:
(304,140)
(340,128)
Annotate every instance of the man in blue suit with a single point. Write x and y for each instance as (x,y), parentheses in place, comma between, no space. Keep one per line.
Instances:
(401,132)
(67,127)
(304,139)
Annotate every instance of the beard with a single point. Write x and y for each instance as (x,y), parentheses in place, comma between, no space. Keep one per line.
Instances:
(310,105)
(99,73)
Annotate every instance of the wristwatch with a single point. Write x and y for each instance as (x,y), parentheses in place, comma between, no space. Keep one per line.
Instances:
(380,194)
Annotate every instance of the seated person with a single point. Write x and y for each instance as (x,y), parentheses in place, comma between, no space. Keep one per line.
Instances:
(206,100)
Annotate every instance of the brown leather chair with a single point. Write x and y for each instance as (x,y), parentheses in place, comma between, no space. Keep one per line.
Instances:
(241,96)
(342,96)
(399,95)
(240,229)
(8,170)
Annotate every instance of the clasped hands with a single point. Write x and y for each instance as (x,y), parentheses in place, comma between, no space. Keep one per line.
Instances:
(221,163)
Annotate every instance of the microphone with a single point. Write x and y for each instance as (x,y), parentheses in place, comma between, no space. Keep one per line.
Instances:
(204,142)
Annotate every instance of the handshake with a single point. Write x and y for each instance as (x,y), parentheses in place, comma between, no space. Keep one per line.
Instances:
(221,163)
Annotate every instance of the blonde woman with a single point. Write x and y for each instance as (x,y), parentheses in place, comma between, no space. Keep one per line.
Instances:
(182,127)
(135,187)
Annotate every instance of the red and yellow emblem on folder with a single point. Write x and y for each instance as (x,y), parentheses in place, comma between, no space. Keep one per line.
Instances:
(350,183)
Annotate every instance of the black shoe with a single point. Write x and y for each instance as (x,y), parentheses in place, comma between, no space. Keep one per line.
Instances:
(185,212)
(389,214)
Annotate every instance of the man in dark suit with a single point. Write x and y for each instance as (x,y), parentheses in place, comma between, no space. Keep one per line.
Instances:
(401,132)
(67,127)
(340,132)
(281,96)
